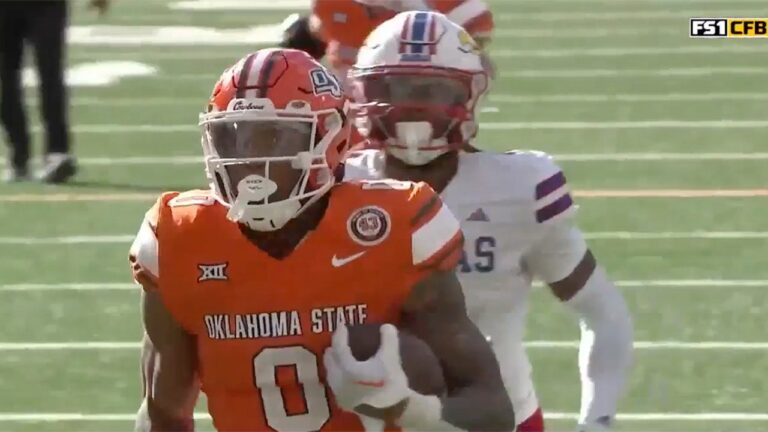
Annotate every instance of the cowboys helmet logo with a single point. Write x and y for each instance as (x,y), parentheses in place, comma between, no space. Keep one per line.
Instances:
(369,226)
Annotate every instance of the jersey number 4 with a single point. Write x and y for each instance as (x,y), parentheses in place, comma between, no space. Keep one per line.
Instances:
(286,412)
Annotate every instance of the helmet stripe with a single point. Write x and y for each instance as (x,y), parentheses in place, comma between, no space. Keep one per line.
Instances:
(242,81)
(266,72)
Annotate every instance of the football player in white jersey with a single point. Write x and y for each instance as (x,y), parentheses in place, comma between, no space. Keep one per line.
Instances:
(416,85)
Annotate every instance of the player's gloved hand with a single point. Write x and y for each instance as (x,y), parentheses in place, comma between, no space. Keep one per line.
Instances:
(377,387)
(298,35)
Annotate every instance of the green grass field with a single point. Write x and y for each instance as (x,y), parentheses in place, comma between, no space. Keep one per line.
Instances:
(615,88)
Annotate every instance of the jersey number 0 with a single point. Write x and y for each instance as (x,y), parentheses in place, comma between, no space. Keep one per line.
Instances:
(316,410)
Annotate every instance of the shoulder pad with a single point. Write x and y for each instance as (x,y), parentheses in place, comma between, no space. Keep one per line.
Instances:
(544,184)
(192,198)
(363,164)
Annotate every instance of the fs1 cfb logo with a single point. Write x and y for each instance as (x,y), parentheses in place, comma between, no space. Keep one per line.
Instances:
(729,28)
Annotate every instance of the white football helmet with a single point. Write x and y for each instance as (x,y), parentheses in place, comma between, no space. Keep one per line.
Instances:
(416,85)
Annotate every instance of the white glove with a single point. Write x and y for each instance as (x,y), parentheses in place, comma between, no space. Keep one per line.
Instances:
(379,381)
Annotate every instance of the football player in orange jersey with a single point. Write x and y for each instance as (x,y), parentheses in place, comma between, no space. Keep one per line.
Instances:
(337,29)
(245,283)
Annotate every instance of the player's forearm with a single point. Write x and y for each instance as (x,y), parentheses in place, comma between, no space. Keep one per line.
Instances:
(467,410)
(605,352)
(153,419)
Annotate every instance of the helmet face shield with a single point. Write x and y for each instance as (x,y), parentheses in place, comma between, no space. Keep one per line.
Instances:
(247,139)
(265,168)
(416,89)
(266,159)
(416,110)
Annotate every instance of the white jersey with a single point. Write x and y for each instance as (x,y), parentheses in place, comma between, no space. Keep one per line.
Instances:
(508,205)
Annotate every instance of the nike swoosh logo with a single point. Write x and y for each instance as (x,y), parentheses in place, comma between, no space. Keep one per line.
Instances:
(338,262)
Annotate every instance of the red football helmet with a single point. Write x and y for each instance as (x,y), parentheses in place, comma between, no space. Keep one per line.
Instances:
(274,132)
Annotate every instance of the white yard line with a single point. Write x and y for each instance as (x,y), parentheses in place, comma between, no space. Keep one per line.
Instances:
(631,15)
(85,286)
(143,103)
(628,2)
(623,73)
(632,51)
(660,283)
(693,235)
(667,193)
(192,55)
(122,239)
(570,73)
(651,97)
(585,33)
(564,157)
(37,417)
(583,194)
(642,124)
(540,344)
(568,125)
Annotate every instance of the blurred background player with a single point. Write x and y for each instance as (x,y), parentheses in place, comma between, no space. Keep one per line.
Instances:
(43,24)
(245,283)
(416,98)
(336,29)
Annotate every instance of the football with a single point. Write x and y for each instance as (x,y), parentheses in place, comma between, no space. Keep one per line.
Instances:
(420,364)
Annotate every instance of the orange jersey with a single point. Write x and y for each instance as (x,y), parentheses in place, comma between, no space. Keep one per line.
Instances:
(263,324)
(345,24)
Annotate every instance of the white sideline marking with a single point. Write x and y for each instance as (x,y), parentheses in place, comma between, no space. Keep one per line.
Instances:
(606,235)
(549,415)
(651,345)
(608,73)
(96,73)
(565,157)
(641,124)
(662,283)
(658,97)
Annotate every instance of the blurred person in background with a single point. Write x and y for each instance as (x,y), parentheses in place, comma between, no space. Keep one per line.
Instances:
(335,30)
(43,24)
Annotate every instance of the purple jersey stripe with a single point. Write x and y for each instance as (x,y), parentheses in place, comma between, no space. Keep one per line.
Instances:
(550,185)
(558,206)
